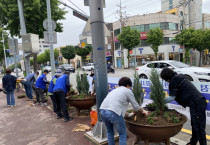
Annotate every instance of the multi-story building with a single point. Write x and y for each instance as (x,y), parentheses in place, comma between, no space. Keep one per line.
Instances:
(86,37)
(43,46)
(143,23)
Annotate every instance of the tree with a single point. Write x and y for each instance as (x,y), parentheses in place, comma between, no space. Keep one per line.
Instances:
(68,52)
(35,12)
(83,52)
(137,89)
(129,38)
(157,94)
(1,44)
(155,38)
(198,42)
(183,39)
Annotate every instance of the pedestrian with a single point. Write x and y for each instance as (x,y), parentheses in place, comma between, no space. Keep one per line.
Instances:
(40,87)
(185,93)
(114,108)
(9,84)
(57,74)
(60,91)
(28,82)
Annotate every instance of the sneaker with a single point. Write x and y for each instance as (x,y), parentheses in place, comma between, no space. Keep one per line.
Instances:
(37,103)
(59,117)
(68,119)
(43,104)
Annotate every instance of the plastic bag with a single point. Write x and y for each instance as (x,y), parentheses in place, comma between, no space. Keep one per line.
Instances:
(93,117)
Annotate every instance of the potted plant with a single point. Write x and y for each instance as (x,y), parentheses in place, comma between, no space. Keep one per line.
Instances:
(81,99)
(160,124)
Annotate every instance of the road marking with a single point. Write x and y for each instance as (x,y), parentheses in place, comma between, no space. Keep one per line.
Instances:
(190,132)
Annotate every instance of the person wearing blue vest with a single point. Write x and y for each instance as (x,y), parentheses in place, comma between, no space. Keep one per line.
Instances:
(60,90)
(40,87)
(28,82)
(57,74)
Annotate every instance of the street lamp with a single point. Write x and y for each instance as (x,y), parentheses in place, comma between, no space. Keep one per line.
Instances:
(5,57)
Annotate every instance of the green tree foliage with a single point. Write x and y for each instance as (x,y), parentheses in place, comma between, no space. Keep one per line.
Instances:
(35,12)
(129,38)
(83,52)
(183,39)
(137,89)
(157,94)
(155,39)
(68,52)
(1,44)
(45,57)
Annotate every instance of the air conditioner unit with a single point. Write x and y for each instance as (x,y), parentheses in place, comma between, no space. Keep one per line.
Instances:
(30,43)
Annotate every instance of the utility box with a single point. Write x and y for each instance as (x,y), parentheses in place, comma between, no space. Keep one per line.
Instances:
(30,43)
(13,46)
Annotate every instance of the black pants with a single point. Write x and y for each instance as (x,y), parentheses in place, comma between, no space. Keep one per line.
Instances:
(60,98)
(40,94)
(198,122)
(54,102)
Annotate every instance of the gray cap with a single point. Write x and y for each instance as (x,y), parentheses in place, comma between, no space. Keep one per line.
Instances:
(58,72)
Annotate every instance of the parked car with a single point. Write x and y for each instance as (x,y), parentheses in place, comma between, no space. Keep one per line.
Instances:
(67,67)
(48,68)
(89,66)
(192,73)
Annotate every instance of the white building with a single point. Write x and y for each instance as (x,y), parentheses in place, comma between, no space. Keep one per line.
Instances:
(43,46)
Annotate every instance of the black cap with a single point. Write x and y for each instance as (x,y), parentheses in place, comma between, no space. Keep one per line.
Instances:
(46,71)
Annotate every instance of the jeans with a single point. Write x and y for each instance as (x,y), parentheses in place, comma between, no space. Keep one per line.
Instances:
(10,98)
(112,120)
(60,98)
(198,122)
(28,89)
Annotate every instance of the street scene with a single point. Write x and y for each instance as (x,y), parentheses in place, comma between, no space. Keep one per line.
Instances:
(103,72)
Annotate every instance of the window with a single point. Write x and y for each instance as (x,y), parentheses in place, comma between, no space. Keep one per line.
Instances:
(165,40)
(117,46)
(173,26)
(146,27)
(181,13)
(152,65)
(170,4)
(143,43)
(181,25)
(153,26)
(207,24)
(164,25)
(172,40)
(162,65)
(116,32)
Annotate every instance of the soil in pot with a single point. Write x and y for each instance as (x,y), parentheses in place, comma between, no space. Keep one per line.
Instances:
(157,118)
(75,96)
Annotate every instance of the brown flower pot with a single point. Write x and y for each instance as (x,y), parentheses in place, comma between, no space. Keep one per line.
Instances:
(81,104)
(156,134)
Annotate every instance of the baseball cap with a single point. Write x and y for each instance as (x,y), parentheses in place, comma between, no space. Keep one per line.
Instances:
(58,72)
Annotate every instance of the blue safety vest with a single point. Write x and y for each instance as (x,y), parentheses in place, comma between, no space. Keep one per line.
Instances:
(51,86)
(40,82)
(60,84)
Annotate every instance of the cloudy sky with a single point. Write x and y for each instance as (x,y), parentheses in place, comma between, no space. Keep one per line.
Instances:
(73,26)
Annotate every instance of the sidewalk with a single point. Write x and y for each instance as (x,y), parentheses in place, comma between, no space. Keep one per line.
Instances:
(26,124)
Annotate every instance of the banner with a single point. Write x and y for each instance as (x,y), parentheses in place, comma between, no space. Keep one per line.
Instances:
(203,87)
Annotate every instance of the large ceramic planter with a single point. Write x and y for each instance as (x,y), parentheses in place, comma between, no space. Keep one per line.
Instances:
(82,104)
(156,134)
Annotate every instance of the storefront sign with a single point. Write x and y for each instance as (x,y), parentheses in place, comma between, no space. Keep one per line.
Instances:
(141,49)
(173,48)
(119,53)
(143,35)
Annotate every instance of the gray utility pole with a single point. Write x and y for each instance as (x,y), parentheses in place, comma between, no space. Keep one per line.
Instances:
(52,58)
(99,59)
(23,32)
(5,57)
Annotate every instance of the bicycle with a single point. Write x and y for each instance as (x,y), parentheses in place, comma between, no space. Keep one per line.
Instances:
(18,86)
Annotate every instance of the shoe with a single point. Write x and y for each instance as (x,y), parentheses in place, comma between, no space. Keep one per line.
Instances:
(37,103)
(8,105)
(68,119)
(59,117)
(43,104)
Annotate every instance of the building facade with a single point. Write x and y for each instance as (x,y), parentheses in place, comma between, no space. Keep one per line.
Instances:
(169,50)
